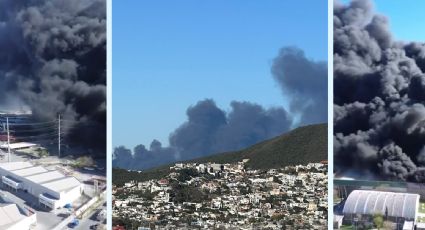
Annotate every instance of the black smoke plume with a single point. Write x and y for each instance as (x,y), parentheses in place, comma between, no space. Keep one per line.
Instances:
(53,60)
(305,82)
(379,97)
(210,130)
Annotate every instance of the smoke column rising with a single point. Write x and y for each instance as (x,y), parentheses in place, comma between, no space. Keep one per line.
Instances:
(53,60)
(305,82)
(379,97)
(209,129)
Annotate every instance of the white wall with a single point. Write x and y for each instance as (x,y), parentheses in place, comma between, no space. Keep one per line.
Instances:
(33,188)
(70,196)
(37,189)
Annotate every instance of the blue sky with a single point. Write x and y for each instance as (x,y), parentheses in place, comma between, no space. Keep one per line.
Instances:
(167,55)
(405,17)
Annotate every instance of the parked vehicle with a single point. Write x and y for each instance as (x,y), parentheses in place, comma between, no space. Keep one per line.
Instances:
(74,223)
(101,215)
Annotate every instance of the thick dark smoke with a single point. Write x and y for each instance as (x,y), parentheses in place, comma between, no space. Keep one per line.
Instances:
(53,60)
(305,82)
(209,129)
(379,97)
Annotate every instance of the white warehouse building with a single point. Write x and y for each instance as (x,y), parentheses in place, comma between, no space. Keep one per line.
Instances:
(52,188)
(399,208)
(13,219)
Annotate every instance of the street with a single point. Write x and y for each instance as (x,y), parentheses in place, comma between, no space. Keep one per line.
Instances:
(91,220)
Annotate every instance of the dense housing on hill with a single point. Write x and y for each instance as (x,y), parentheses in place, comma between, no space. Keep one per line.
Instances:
(300,146)
(226,196)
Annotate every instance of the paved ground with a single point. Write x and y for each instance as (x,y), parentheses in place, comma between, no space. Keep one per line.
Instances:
(88,222)
(13,157)
(45,219)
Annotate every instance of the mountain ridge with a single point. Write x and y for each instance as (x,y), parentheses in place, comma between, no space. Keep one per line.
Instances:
(291,148)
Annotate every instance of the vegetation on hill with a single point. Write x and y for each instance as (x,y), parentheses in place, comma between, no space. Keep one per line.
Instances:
(300,146)
(121,176)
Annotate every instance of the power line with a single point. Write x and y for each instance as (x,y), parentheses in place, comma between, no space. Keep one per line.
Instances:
(36,136)
(50,131)
(33,130)
(32,123)
(41,128)
(65,120)
(30,132)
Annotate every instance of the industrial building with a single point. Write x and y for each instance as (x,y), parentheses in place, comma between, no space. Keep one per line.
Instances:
(11,218)
(345,186)
(399,208)
(52,188)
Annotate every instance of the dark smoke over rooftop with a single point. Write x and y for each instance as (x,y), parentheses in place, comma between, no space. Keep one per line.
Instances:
(53,60)
(379,97)
(210,130)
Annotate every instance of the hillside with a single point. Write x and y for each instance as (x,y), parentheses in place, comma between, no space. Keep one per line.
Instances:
(300,146)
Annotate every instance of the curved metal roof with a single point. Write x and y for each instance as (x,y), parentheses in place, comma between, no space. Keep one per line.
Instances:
(371,202)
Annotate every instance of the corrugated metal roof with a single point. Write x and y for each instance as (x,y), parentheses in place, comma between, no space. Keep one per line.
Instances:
(371,202)
(53,180)
(46,177)
(62,185)
(30,171)
(9,214)
(10,166)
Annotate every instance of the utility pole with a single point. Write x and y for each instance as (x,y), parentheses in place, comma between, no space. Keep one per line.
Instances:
(8,139)
(59,135)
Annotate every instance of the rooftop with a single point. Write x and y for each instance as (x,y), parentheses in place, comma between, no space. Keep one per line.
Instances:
(30,171)
(18,145)
(9,214)
(51,179)
(62,185)
(388,203)
(46,177)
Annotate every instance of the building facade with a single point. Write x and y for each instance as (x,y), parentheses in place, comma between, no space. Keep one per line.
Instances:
(52,188)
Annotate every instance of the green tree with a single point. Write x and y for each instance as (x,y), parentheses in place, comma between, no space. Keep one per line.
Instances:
(42,152)
(378,220)
(84,161)
(187,174)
